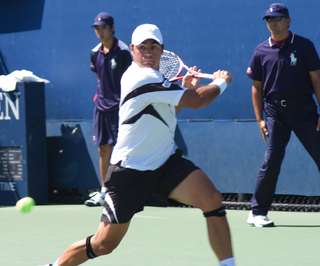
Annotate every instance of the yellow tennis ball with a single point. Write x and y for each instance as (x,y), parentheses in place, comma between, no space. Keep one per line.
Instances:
(25,205)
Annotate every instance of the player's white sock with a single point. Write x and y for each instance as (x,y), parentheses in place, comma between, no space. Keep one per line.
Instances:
(228,262)
(56,263)
(103,190)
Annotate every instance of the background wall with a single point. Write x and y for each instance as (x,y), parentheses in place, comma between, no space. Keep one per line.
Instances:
(53,39)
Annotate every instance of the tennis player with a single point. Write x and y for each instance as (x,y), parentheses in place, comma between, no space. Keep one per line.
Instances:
(144,160)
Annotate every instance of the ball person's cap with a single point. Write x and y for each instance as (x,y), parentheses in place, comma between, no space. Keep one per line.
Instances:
(103,19)
(276,10)
(145,32)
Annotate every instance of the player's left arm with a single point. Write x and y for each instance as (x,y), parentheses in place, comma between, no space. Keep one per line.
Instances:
(315,80)
(189,82)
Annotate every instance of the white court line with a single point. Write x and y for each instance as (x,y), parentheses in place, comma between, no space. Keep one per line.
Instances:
(149,217)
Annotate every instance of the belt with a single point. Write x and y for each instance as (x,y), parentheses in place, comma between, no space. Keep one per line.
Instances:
(286,103)
(283,103)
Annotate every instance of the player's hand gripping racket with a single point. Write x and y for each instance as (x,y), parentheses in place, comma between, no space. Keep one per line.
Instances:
(171,67)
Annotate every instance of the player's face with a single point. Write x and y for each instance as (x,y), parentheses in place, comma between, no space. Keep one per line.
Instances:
(147,54)
(279,29)
(104,33)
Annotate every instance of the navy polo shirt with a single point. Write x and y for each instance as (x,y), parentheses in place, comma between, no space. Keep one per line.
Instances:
(110,67)
(284,71)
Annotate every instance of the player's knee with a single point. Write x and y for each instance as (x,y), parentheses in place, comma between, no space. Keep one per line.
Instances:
(99,248)
(215,198)
(219,212)
(89,249)
(211,201)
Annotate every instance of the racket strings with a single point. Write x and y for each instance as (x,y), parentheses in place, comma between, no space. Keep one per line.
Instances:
(170,66)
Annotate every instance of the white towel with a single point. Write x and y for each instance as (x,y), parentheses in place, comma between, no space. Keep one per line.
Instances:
(9,82)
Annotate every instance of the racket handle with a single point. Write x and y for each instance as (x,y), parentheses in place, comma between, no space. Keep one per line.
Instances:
(205,76)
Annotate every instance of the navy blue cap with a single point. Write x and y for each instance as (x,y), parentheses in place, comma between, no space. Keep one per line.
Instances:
(103,19)
(276,9)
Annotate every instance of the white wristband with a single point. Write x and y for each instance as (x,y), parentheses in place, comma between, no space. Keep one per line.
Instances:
(221,83)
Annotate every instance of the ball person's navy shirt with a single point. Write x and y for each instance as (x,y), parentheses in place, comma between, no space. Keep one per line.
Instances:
(110,67)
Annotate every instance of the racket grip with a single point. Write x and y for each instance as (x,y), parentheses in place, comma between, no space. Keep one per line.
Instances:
(205,76)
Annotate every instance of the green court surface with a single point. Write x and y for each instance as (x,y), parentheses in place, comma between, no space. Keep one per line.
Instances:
(158,236)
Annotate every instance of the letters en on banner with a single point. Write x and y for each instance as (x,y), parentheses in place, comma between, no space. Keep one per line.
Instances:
(7,104)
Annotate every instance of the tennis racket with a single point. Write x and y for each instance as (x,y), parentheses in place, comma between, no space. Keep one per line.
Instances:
(171,67)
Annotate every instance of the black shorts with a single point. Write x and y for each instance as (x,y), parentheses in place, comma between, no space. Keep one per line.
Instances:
(128,189)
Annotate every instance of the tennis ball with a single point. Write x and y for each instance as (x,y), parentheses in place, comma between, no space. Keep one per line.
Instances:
(25,205)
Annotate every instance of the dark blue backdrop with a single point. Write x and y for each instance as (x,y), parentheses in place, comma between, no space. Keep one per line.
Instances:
(53,39)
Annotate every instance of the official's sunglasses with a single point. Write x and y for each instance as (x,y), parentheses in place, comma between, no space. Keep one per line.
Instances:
(269,19)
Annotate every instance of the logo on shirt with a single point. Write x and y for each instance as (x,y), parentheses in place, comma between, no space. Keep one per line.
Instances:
(249,70)
(113,63)
(293,59)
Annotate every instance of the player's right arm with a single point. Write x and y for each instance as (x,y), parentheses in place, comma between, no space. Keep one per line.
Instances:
(203,95)
(257,101)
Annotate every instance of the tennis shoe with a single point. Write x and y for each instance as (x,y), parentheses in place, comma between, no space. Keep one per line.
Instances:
(259,220)
(96,199)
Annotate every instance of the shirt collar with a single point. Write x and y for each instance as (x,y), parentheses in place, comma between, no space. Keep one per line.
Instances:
(113,47)
(289,40)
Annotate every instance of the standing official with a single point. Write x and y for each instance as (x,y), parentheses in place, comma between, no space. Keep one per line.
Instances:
(285,74)
(109,59)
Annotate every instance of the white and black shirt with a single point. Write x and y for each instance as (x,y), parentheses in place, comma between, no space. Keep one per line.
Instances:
(147,119)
